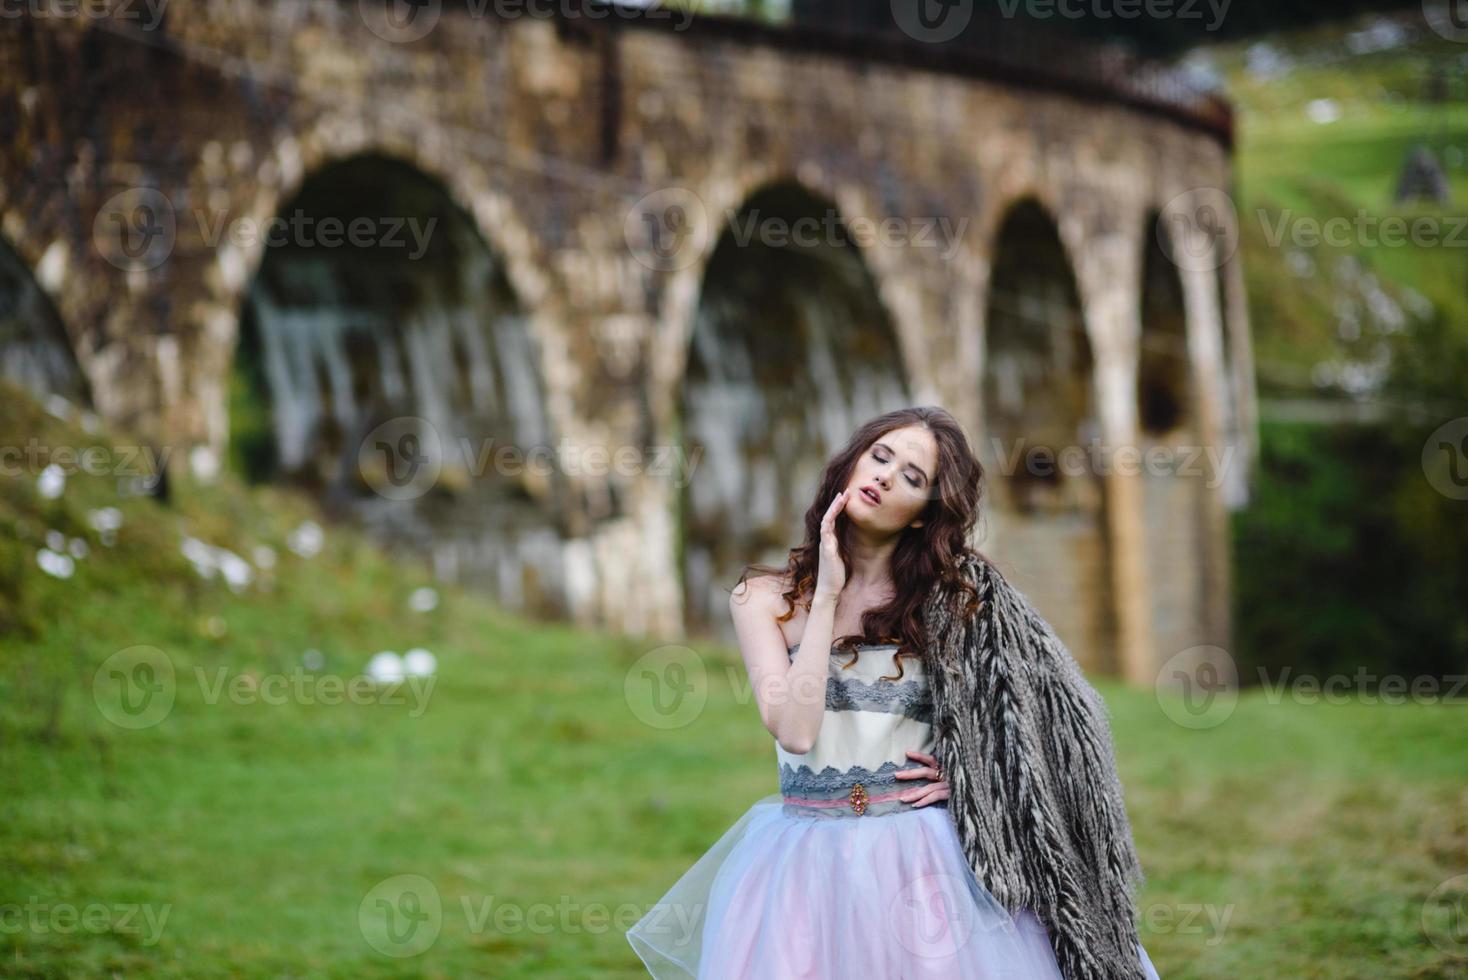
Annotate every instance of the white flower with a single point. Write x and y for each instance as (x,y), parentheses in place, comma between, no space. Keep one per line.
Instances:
(208,559)
(105,518)
(51,482)
(55,540)
(1323,110)
(77,547)
(313,660)
(385,667)
(236,571)
(306,539)
(264,556)
(52,563)
(59,406)
(418,662)
(201,554)
(424,599)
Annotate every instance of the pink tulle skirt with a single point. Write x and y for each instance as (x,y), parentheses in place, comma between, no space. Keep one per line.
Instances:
(784,895)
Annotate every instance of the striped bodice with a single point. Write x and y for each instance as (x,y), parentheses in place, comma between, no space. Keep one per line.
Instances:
(868,726)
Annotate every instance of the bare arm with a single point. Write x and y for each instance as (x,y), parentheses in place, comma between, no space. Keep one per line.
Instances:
(791,694)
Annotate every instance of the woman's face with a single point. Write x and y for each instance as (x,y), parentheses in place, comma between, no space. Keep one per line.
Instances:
(893,480)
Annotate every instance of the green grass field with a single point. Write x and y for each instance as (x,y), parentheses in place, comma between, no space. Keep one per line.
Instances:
(246,837)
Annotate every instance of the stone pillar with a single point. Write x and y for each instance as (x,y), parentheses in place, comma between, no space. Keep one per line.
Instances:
(1197,257)
(1108,274)
(1241,357)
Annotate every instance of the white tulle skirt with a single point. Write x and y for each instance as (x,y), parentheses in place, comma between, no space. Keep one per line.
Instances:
(784,895)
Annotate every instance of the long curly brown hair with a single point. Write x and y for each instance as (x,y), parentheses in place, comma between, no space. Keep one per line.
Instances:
(923,555)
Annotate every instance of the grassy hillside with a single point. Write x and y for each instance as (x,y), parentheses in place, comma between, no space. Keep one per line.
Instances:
(251,838)
(1326,120)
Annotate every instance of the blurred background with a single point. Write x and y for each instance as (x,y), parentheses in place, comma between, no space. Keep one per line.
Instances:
(391,392)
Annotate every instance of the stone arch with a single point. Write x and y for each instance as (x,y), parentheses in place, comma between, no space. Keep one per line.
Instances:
(790,349)
(406,352)
(284,167)
(1040,423)
(35,347)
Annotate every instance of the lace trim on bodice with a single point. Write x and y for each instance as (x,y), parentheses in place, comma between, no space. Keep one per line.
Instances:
(801,780)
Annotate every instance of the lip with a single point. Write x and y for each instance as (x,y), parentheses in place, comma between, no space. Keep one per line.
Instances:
(874,492)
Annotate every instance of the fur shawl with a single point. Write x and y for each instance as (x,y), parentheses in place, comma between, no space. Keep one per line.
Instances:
(1025,743)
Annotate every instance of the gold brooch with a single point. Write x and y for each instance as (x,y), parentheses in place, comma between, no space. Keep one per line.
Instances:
(859,799)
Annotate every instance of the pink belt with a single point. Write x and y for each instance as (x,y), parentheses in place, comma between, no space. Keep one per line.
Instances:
(857,799)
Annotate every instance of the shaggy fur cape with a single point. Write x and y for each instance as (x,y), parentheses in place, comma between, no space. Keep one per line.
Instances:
(1025,744)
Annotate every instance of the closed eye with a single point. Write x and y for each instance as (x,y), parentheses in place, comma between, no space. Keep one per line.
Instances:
(877,455)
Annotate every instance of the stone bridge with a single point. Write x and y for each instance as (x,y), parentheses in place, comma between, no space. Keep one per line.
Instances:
(378,254)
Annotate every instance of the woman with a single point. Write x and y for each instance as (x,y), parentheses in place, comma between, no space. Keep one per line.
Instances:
(948,805)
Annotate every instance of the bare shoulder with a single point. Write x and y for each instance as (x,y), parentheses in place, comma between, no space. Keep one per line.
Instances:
(757,594)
